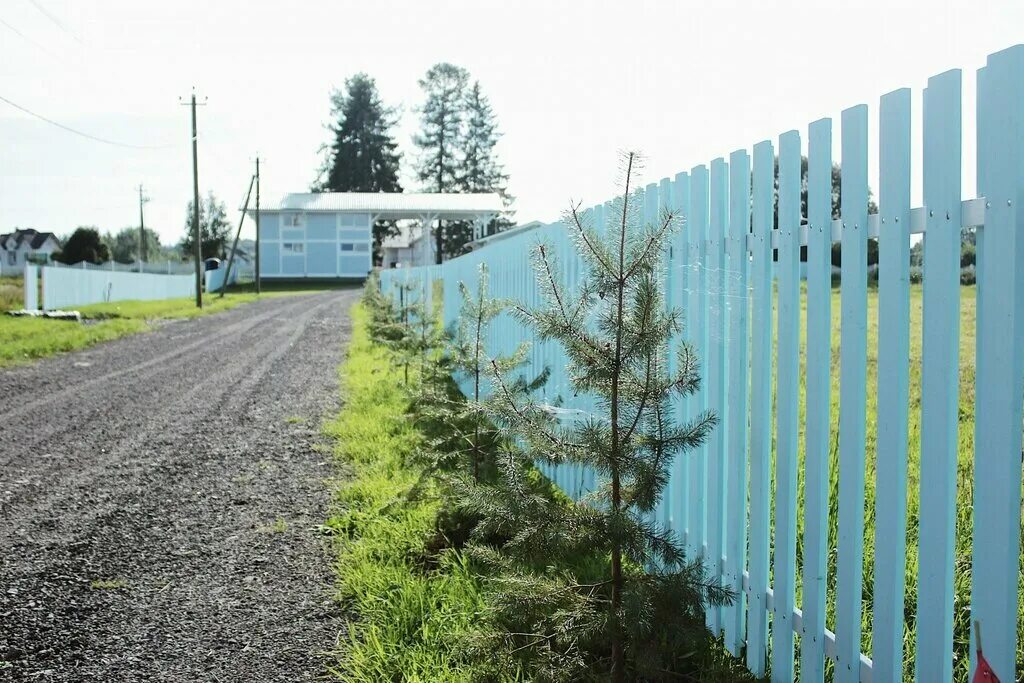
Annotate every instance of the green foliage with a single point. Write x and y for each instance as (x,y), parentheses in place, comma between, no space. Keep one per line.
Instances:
(607,611)
(410,329)
(480,169)
(84,244)
(456,142)
(124,245)
(441,127)
(411,610)
(213,225)
(363,155)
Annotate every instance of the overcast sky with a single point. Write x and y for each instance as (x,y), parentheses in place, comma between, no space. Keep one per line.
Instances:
(570,82)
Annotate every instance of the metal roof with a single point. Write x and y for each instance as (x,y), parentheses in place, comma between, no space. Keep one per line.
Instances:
(389,202)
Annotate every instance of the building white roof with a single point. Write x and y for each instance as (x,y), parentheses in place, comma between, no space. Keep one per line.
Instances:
(409,204)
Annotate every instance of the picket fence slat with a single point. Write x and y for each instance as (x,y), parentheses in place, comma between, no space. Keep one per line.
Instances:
(697,286)
(666,204)
(738,387)
(893,395)
(786,406)
(999,378)
(719,271)
(714,301)
(852,379)
(760,407)
(680,472)
(819,358)
(939,377)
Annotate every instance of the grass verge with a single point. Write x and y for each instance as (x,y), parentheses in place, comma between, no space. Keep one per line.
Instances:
(23,340)
(409,609)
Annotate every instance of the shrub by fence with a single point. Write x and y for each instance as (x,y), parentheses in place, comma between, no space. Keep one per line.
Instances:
(740,501)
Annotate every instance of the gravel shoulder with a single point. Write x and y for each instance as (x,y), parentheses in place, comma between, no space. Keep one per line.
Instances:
(160,497)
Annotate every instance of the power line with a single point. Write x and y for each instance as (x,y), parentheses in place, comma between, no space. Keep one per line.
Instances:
(78,132)
(55,20)
(24,37)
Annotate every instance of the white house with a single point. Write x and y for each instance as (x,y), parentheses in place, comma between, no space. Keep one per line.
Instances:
(25,246)
(329,234)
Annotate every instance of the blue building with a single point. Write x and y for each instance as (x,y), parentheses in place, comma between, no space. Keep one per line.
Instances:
(329,234)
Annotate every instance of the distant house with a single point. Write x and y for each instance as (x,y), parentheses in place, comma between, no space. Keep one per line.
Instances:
(26,246)
(406,249)
(329,234)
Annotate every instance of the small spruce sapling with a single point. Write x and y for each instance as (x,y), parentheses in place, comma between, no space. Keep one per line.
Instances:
(467,433)
(617,335)
(410,329)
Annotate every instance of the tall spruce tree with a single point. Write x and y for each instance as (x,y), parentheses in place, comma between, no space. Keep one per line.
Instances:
(441,121)
(638,602)
(362,156)
(481,171)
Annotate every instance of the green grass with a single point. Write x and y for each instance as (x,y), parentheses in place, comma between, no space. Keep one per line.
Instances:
(23,340)
(409,609)
(12,293)
(962,574)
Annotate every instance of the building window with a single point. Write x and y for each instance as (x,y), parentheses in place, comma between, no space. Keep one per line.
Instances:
(347,246)
(294,247)
(362,246)
(354,220)
(293,220)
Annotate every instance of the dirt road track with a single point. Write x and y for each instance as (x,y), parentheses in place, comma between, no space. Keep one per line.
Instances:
(159,498)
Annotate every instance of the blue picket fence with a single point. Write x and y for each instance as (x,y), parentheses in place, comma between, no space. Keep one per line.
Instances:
(721,273)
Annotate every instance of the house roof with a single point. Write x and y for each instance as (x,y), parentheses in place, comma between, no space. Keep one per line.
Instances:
(34,238)
(410,203)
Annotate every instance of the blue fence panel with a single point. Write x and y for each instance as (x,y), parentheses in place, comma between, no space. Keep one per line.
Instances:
(724,516)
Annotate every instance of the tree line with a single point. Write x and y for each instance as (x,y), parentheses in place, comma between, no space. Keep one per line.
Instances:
(455,148)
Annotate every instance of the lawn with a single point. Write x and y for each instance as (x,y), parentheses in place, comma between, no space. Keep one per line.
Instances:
(962,575)
(23,340)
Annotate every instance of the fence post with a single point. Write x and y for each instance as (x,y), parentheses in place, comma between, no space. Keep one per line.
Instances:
(31,287)
(999,378)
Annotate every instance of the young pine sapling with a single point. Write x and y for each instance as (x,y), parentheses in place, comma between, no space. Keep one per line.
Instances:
(640,601)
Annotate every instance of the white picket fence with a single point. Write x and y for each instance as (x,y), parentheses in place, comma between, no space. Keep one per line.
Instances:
(721,268)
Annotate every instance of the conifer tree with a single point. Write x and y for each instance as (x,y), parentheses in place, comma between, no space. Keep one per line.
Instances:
(481,170)
(469,434)
(641,602)
(441,120)
(362,155)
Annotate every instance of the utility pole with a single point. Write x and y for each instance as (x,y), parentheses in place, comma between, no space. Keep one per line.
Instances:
(234,245)
(257,225)
(142,230)
(196,231)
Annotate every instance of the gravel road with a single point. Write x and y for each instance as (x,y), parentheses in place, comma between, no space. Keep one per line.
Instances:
(159,501)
